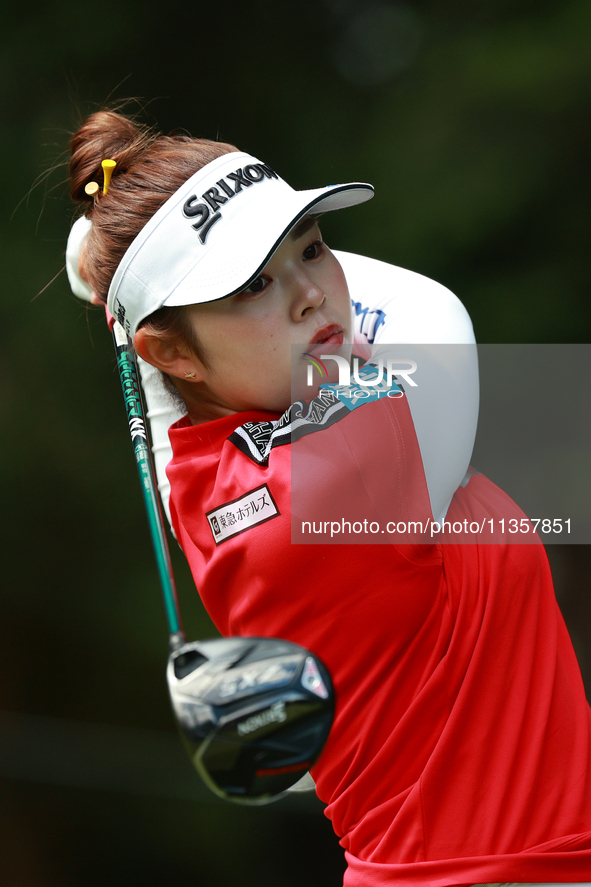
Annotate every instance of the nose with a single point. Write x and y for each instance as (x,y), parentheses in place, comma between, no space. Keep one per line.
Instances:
(307,297)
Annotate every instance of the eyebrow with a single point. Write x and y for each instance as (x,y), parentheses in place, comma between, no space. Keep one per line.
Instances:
(302,227)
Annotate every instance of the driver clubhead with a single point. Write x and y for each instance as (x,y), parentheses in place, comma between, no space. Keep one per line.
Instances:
(254,713)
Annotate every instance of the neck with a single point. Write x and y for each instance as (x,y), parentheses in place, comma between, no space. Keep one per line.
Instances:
(199,404)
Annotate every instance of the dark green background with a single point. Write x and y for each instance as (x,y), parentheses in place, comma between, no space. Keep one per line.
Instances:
(472,121)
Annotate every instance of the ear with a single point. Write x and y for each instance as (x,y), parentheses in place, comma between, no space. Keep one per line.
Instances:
(175,359)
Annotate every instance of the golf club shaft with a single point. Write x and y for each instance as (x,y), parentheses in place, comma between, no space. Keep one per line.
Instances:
(129,376)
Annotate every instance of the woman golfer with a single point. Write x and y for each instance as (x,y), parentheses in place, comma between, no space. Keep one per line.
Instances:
(461,747)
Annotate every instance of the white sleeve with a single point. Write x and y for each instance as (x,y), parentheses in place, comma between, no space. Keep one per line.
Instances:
(393,307)
(162,412)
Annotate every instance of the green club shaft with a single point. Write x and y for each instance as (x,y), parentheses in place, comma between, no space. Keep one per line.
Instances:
(128,374)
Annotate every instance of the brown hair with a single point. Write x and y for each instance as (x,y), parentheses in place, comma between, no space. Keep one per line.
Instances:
(150,168)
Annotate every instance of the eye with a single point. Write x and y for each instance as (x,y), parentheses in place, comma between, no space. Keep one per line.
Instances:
(313,250)
(257,286)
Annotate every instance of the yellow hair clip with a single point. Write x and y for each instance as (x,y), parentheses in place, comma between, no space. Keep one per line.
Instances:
(108,167)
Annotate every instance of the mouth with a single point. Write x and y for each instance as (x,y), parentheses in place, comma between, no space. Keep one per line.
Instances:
(331,335)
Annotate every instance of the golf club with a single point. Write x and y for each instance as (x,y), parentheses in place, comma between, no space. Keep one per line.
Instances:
(254,713)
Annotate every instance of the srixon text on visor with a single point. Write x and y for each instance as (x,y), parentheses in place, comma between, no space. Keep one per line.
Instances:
(206,211)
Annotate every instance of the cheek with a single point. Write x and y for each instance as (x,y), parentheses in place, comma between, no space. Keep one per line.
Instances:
(252,341)
(342,284)
(265,329)
(341,301)
(337,281)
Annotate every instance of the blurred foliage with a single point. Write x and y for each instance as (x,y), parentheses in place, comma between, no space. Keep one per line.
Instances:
(472,122)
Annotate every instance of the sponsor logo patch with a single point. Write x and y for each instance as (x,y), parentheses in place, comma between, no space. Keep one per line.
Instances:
(231,518)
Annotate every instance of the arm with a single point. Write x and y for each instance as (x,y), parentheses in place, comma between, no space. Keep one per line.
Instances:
(394,306)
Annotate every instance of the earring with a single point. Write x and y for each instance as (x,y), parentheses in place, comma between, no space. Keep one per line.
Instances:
(189,375)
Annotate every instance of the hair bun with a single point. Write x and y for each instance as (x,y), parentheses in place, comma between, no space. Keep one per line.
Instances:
(104,135)
(150,168)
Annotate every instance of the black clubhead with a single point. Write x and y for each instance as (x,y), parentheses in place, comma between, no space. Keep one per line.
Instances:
(255,713)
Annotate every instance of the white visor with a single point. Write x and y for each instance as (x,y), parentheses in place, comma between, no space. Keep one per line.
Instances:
(214,236)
